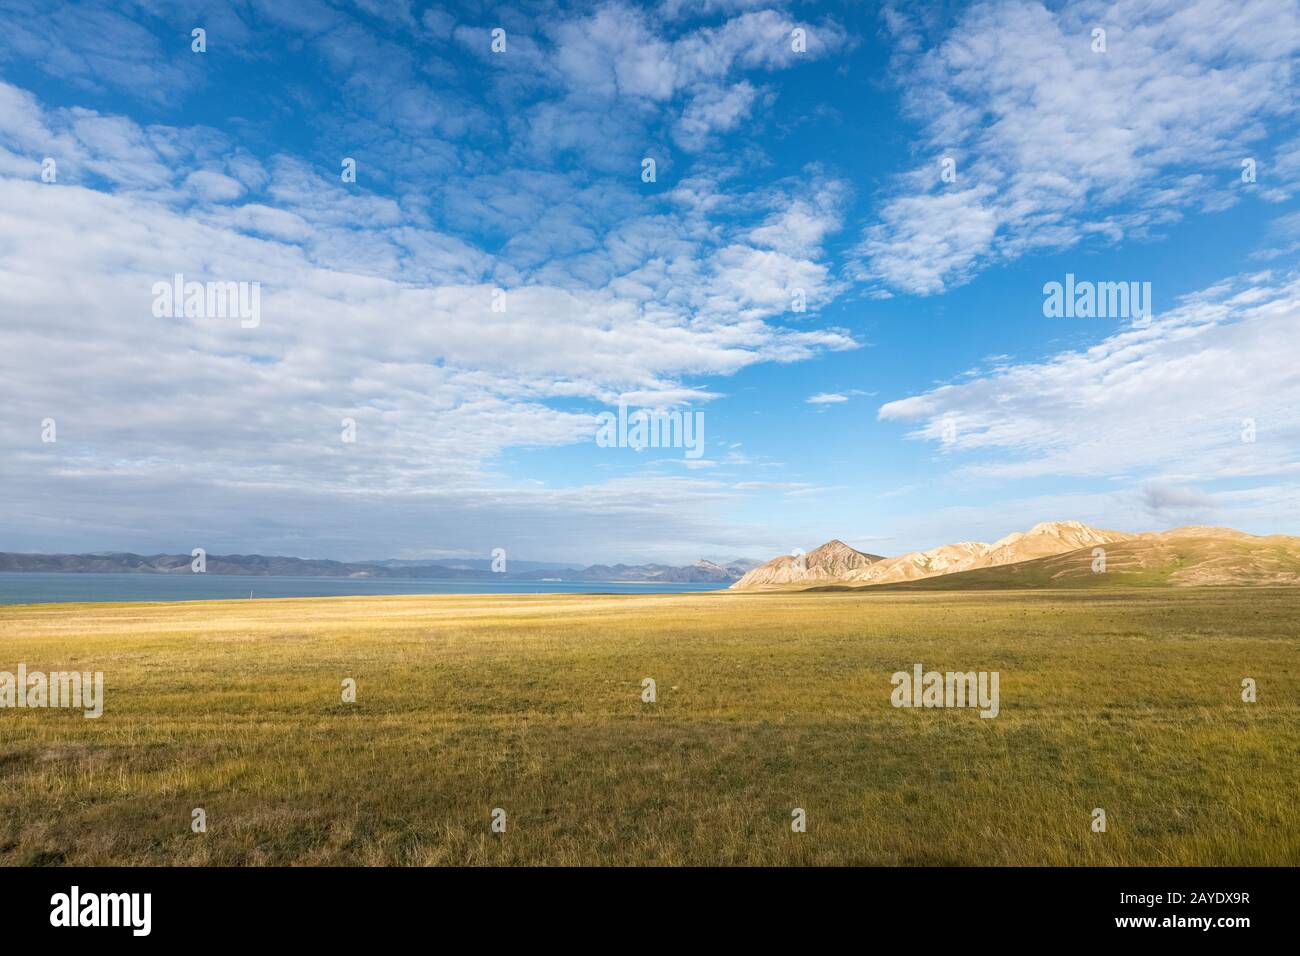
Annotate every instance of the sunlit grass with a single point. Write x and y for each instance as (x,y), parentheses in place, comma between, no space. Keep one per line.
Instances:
(1130,701)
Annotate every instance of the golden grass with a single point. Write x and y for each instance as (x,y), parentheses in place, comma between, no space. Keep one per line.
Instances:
(1128,701)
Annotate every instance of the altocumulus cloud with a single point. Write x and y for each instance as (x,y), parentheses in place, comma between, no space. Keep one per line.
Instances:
(1054,142)
(1206,392)
(388,322)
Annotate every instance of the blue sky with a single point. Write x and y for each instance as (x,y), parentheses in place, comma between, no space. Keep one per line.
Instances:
(923,397)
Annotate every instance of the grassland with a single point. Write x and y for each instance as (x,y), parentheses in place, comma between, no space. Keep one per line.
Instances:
(1126,700)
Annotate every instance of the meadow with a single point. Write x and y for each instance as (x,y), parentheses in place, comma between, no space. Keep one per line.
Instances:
(1127,700)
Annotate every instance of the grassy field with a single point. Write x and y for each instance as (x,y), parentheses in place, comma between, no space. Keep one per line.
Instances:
(1125,700)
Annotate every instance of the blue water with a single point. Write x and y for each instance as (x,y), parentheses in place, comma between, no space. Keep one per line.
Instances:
(44,588)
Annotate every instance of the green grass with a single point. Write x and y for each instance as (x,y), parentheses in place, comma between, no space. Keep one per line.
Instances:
(1126,700)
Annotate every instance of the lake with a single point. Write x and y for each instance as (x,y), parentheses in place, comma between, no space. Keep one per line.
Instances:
(50,588)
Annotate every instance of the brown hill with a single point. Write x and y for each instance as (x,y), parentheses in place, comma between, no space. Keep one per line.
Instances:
(1043,539)
(1178,558)
(833,561)
(1057,554)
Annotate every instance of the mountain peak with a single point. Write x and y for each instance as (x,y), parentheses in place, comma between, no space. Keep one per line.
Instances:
(837,561)
(1057,527)
(837,555)
(1021,545)
(832,548)
(830,561)
(1063,547)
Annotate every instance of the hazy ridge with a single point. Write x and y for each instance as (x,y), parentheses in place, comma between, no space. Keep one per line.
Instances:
(701,571)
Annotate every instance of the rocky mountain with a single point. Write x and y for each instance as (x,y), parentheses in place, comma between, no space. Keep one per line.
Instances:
(1182,557)
(833,561)
(702,571)
(1042,540)
(1060,551)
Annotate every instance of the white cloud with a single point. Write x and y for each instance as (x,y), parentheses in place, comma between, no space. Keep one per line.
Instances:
(200,419)
(714,110)
(800,226)
(1054,142)
(213,186)
(369,309)
(97,48)
(1169,403)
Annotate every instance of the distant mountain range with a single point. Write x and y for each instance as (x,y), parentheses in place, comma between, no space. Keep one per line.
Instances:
(1051,554)
(701,572)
